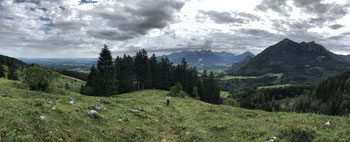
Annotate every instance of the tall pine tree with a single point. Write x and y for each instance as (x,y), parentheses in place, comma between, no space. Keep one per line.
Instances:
(204,94)
(165,73)
(155,68)
(214,89)
(104,82)
(125,73)
(142,70)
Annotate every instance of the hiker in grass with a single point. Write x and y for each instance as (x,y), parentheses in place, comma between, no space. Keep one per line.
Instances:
(167,100)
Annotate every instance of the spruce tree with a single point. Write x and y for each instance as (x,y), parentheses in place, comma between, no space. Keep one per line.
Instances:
(125,73)
(154,67)
(2,72)
(92,77)
(142,70)
(106,82)
(204,94)
(165,73)
(214,89)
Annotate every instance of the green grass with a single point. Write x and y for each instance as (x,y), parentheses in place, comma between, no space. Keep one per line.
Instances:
(276,86)
(228,77)
(186,119)
(215,71)
(74,84)
(278,75)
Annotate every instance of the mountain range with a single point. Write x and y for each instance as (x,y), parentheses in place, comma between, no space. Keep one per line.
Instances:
(207,57)
(299,62)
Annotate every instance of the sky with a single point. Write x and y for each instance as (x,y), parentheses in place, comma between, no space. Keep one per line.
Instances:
(80,28)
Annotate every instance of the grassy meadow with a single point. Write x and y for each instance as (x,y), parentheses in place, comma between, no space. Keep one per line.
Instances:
(144,116)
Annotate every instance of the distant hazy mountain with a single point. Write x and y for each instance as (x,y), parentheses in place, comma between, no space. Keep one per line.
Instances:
(207,57)
(241,64)
(299,62)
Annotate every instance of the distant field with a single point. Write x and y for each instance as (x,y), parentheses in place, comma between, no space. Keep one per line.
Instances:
(215,71)
(224,94)
(228,77)
(276,86)
(278,75)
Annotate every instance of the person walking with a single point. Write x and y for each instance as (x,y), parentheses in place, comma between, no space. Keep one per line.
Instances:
(167,100)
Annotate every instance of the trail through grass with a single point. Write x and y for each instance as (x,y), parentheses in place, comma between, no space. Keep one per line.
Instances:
(144,116)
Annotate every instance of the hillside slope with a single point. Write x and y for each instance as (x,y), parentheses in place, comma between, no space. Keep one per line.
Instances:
(5,60)
(143,116)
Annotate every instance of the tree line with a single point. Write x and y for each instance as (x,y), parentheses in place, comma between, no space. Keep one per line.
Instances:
(126,74)
(331,96)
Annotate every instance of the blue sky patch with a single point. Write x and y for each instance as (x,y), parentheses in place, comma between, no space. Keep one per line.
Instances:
(30,1)
(87,1)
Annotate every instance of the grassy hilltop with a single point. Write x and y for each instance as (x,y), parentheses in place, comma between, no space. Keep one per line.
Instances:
(143,116)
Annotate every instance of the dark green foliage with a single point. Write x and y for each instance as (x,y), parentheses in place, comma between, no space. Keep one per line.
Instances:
(210,89)
(142,70)
(102,81)
(148,73)
(265,99)
(125,73)
(204,94)
(12,74)
(165,73)
(5,60)
(329,97)
(154,69)
(75,74)
(230,102)
(297,134)
(106,82)
(2,71)
(67,86)
(176,91)
(40,79)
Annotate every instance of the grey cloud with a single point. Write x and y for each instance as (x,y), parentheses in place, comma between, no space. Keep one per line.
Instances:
(226,17)
(324,12)
(341,36)
(279,6)
(336,26)
(110,34)
(327,12)
(69,26)
(141,17)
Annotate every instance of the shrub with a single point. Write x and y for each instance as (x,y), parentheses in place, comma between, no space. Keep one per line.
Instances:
(230,102)
(39,78)
(297,134)
(176,91)
(87,90)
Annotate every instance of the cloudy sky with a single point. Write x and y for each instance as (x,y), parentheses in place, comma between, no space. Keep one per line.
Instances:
(79,28)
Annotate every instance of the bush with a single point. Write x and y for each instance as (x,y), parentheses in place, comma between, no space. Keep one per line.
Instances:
(176,91)
(86,90)
(297,134)
(40,79)
(230,102)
